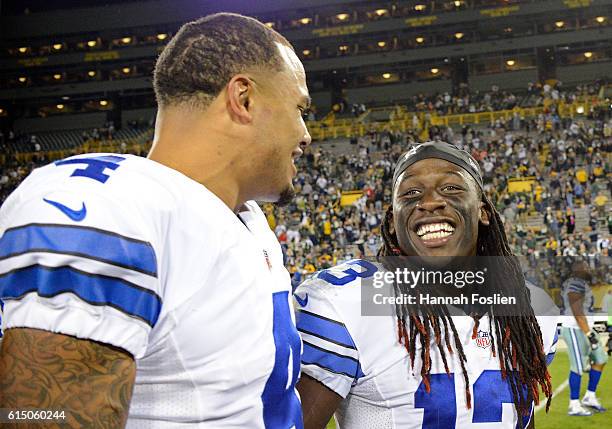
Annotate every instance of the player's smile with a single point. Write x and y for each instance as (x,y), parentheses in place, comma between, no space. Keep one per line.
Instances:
(434,231)
(436,209)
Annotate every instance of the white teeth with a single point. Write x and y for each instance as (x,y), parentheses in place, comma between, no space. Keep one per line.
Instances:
(435,235)
(435,228)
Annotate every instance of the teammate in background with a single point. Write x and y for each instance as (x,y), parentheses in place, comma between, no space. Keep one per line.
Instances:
(607,308)
(582,341)
(445,371)
(151,292)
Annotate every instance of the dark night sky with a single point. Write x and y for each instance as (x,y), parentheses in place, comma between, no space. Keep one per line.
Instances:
(17,7)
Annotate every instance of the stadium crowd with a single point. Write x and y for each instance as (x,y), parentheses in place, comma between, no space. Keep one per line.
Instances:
(318,231)
(567,162)
(536,95)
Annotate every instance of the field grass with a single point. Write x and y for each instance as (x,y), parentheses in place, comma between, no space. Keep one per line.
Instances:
(557,415)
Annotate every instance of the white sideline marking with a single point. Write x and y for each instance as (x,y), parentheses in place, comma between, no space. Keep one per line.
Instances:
(558,390)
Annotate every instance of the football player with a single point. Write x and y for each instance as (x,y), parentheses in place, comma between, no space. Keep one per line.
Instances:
(151,292)
(419,366)
(583,345)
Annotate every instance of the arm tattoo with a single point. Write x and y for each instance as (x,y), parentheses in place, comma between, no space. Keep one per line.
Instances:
(90,381)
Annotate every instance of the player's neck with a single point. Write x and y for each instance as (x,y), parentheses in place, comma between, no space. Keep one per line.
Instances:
(200,154)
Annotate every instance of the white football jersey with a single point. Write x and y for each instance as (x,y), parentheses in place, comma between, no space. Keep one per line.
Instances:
(125,251)
(581,287)
(360,358)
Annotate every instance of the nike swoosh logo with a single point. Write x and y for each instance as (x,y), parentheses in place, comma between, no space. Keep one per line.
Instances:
(75,215)
(302,301)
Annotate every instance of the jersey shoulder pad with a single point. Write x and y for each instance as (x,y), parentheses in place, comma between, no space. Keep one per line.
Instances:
(346,275)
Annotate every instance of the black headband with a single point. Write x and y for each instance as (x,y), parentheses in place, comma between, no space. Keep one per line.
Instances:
(439,150)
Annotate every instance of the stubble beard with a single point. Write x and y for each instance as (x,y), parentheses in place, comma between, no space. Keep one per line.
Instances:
(286,196)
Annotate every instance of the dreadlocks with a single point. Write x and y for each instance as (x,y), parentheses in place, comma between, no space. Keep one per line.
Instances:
(519,345)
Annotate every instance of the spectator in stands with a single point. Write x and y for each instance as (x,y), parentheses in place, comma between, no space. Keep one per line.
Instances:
(570,221)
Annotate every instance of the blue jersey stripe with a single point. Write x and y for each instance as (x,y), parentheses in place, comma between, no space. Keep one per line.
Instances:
(47,282)
(332,361)
(325,328)
(549,358)
(76,240)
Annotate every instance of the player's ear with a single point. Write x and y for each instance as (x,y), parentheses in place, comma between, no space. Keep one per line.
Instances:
(239,96)
(484,217)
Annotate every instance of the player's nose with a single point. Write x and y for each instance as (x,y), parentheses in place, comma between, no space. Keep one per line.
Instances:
(306,139)
(431,201)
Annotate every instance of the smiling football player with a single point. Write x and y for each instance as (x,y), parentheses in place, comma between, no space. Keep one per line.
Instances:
(419,366)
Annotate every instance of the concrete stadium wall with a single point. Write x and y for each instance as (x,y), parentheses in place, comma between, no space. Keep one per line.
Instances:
(510,80)
(76,88)
(62,122)
(584,72)
(138,115)
(396,92)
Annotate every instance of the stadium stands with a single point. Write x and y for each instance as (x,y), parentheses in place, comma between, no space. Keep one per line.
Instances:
(518,83)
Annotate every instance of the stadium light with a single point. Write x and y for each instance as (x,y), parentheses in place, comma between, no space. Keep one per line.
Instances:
(22,79)
(65,98)
(91,73)
(57,76)
(1,110)
(420,39)
(57,46)
(382,44)
(559,24)
(162,36)
(419,7)
(459,35)
(59,106)
(381,12)
(126,40)
(103,103)
(386,75)
(22,49)
(306,52)
(343,48)
(126,70)
(435,70)
(92,43)
(458,3)
(269,24)
(580,110)
(305,20)
(588,54)
(342,16)
(510,63)
(600,19)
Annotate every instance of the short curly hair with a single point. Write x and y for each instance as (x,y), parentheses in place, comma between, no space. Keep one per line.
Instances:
(205,54)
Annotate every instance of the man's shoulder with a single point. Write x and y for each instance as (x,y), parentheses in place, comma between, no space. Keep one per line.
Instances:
(115,177)
(342,278)
(124,194)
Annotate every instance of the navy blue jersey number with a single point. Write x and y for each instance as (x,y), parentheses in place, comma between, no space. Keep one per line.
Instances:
(281,406)
(439,406)
(95,166)
(350,273)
